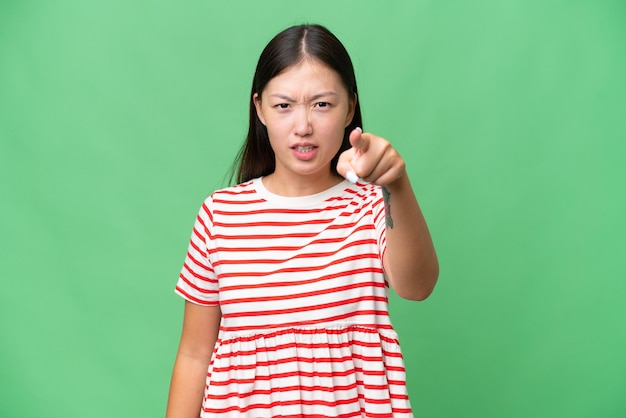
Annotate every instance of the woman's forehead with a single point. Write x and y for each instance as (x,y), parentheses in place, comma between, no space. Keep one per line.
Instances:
(308,77)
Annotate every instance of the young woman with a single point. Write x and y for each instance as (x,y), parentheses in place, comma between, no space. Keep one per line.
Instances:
(287,275)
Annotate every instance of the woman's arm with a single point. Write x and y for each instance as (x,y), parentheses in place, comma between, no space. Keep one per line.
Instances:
(197,342)
(410,260)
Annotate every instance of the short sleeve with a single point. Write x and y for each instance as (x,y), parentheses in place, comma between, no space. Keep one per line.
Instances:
(197,281)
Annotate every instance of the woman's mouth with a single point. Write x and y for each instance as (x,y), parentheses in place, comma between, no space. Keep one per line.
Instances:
(304,152)
(304,149)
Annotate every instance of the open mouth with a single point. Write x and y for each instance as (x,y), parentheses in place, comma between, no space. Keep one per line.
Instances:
(304,149)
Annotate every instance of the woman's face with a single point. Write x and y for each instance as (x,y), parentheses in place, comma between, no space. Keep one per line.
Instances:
(306,109)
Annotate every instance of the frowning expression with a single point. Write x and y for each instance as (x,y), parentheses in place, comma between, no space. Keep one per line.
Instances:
(306,109)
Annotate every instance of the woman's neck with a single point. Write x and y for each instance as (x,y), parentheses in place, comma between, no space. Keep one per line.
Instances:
(294,186)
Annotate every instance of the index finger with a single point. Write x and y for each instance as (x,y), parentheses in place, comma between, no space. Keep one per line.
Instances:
(358,141)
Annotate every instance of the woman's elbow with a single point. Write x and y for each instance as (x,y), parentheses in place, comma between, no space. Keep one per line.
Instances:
(423,288)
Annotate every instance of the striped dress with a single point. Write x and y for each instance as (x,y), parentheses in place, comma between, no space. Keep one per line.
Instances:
(305,329)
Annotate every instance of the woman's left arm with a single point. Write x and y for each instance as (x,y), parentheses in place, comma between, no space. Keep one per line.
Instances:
(410,260)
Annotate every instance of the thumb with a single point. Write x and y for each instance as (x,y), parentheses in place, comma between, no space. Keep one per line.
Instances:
(348,157)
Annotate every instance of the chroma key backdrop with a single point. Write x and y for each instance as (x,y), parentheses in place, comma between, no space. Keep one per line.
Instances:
(118,118)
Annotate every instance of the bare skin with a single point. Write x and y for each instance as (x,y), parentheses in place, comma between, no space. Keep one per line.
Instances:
(410,260)
(200,328)
(306,105)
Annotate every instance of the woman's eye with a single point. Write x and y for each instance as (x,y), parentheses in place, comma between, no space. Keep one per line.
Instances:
(283,106)
(323,104)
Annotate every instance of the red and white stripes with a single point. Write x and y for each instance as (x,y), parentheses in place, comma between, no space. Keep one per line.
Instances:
(305,327)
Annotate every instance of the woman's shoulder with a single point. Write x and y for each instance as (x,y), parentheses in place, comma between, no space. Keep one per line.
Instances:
(237,189)
(235,193)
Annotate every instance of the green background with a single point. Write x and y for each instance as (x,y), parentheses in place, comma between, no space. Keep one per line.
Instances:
(118,117)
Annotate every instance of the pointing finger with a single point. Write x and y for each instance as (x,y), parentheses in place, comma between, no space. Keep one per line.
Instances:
(358,141)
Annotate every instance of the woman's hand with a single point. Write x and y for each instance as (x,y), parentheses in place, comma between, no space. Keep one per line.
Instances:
(371,158)
(410,261)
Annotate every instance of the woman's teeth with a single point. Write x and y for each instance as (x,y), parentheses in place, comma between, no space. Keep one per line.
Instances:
(304,149)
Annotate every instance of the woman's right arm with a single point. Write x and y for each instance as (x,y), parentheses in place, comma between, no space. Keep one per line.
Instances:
(200,330)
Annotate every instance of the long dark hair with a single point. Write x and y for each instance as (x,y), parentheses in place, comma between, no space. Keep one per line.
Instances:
(256,157)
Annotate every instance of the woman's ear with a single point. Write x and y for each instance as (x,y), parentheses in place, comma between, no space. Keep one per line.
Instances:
(257,104)
(351,110)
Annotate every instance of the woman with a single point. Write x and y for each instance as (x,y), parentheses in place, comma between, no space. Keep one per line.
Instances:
(287,274)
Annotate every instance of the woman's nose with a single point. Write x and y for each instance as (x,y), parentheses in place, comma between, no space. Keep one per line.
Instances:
(302,123)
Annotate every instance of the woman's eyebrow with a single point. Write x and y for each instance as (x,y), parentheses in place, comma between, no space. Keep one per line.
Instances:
(314,97)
